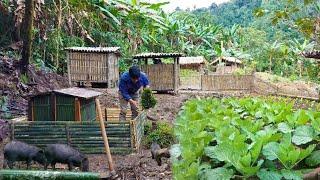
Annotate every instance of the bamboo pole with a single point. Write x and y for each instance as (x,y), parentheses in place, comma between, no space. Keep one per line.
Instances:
(37,174)
(105,138)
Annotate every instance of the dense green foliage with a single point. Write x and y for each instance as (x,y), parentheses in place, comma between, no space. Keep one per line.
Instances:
(162,134)
(269,43)
(147,99)
(246,138)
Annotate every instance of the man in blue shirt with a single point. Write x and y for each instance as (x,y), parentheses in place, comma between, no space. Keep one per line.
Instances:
(129,86)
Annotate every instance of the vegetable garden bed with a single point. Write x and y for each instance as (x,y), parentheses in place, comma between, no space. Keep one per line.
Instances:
(245,138)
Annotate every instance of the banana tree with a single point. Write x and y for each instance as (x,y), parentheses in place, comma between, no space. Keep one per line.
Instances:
(298,48)
(272,50)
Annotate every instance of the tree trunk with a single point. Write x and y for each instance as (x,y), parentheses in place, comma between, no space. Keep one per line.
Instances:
(270,64)
(58,27)
(27,36)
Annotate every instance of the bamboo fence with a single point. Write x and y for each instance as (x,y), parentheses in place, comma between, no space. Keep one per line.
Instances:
(124,137)
(226,82)
(161,76)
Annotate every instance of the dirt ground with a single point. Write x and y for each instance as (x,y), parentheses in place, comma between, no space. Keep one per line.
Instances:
(130,167)
(166,109)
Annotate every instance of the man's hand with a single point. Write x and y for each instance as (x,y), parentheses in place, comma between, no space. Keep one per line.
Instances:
(132,102)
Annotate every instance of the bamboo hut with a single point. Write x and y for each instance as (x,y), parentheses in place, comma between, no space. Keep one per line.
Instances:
(162,76)
(226,65)
(93,65)
(194,63)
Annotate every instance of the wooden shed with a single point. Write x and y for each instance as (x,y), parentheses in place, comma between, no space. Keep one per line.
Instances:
(70,104)
(93,65)
(226,65)
(194,63)
(162,76)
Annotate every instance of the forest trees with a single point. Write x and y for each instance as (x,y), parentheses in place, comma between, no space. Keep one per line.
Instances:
(138,26)
(28,34)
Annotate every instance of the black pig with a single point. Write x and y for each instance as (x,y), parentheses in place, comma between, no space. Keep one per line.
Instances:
(62,153)
(20,151)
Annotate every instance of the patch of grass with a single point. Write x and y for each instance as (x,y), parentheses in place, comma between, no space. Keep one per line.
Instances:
(24,78)
(4,108)
(163,134)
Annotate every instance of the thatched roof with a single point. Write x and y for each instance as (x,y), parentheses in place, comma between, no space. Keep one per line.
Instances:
(312,54)
(192,60)
(227,59)
(94,49)
(157,55)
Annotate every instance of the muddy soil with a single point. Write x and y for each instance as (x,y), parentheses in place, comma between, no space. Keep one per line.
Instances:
(15,88)
(130,167)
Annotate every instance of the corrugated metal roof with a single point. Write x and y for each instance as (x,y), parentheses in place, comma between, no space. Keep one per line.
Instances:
(192,60)
(228,59)
(157,55)
(78,92)
(94,49)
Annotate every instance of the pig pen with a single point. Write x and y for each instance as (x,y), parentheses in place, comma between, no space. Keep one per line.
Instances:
(124,137)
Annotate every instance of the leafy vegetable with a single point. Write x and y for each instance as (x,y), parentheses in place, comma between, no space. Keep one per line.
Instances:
(264,174)
(220,173)
(303,135)
(249,136)
(313,159)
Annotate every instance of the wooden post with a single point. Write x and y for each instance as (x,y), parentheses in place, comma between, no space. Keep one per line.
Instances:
(31,110)
(54,107)
(68,134)
(12,131)
(69,66)
(106,114)
(146,61)
(176,75)
(105,137)
(77,109)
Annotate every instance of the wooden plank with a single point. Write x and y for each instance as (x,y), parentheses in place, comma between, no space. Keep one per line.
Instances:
(32,110)
(77,109)
(54,106)
(19,119)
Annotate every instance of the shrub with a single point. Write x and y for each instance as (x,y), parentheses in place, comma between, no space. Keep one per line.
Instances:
(147,99)
(163,134)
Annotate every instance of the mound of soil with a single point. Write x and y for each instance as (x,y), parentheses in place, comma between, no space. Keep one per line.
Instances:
(269,83)
(15,87)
